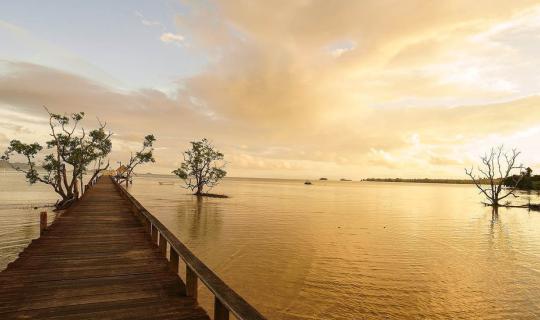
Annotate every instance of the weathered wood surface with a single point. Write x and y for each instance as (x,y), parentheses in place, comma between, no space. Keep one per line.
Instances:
(95,262)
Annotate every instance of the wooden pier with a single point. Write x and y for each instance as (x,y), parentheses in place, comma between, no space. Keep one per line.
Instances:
(109,258)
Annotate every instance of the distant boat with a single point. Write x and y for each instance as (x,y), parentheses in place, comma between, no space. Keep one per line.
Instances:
(323,179)
(166,183)
(307,182)
(343,179)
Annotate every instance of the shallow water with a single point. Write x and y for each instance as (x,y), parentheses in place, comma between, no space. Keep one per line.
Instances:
(20,205)
(351,250)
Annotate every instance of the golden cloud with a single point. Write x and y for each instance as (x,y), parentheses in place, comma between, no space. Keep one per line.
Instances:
(277,97)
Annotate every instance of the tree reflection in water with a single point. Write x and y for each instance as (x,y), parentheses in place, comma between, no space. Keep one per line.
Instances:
(206,218)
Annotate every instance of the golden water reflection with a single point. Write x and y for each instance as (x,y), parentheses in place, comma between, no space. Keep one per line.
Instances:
(338,250)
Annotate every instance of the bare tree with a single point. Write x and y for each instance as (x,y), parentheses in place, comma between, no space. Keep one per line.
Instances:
(496,168)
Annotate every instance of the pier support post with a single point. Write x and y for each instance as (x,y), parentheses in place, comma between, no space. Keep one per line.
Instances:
(191,283)
(42,222)
(220,311)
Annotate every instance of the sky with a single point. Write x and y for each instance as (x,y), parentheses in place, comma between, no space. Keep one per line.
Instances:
(285,89)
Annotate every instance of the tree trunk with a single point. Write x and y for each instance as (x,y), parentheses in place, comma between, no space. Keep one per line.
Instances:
(65,202)
(81,185)
(76,189)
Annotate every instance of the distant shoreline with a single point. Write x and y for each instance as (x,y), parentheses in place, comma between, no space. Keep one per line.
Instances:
(6,168)
(424,180)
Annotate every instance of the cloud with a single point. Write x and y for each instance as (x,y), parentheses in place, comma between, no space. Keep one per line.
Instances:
(371,89)
(165,37)
(17,128)
(146,22)
(280,75)
(13,28)
(168,37)
(129,114)
(338,48)
(4,139)
(405,138)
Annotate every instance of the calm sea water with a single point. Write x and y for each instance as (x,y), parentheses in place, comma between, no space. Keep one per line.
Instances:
(338,250)
(20,205)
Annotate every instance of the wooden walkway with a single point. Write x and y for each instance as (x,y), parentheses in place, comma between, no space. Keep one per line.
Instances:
(96,261)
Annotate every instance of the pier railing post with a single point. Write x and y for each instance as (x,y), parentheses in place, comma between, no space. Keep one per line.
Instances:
(162,244)
(191,283)
(174,260)
(220,311)
(42,222)
(154,235)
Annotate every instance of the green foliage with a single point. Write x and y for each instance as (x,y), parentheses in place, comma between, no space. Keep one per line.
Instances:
(525,181)
(29,151)
(203,167)
(181,172)
(142,156)
(146,154)
(71,152)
